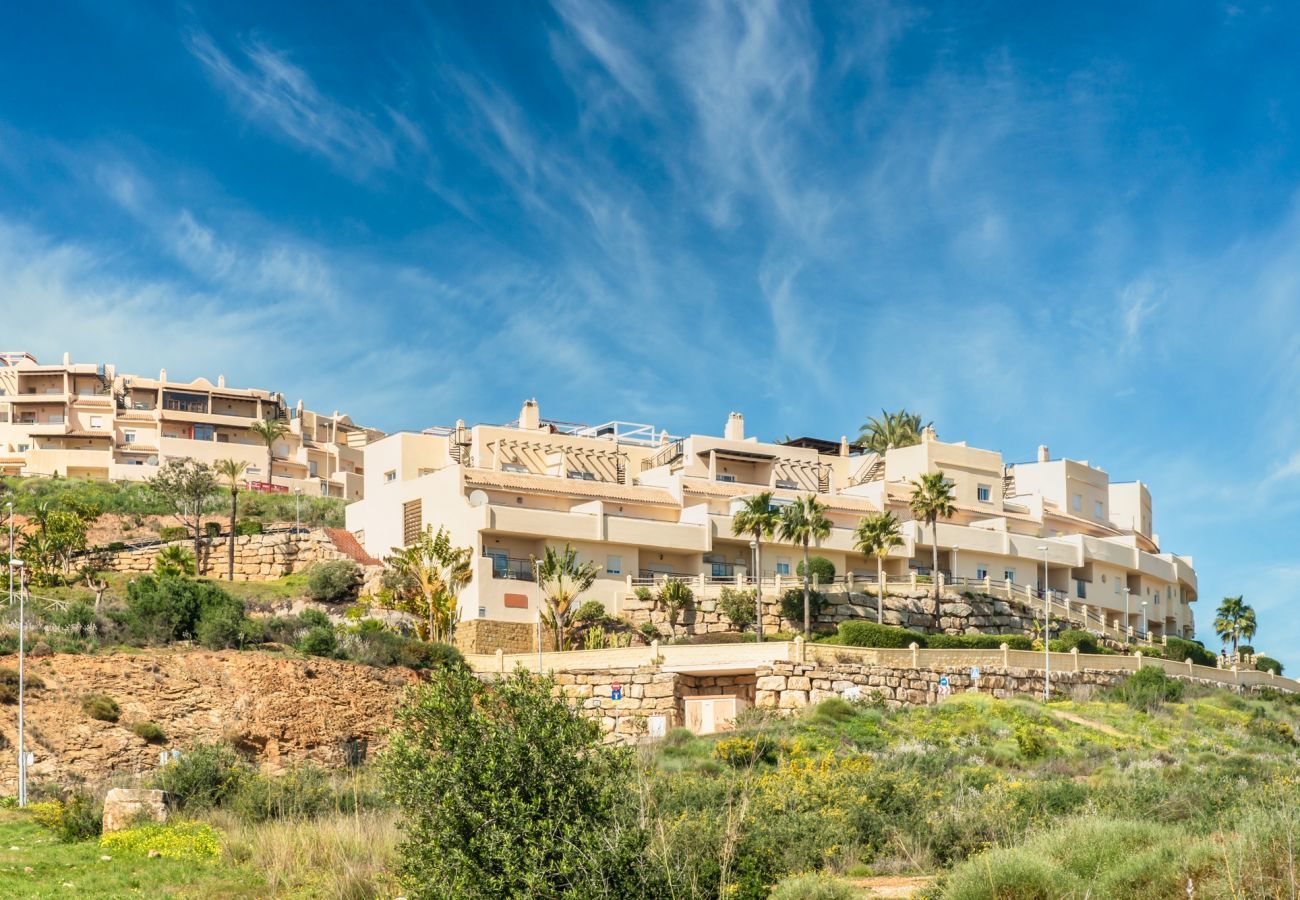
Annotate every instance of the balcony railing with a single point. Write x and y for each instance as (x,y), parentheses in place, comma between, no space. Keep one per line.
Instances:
(512,569)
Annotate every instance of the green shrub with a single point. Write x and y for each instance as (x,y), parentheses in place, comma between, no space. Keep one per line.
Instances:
(649,631)
(820,569)
(166,609)
(1271,729)
(193,841)
(77,818)
(1073,637)
(1148,689)
(101,707)
(319,641)
(221,627)
(334,581)
(174,561)
(313,618)
(248,526)
(740,607)
(979,641)
(792,604)
(591,613)
(869,634)
(1032,741)
(643,593)
(297,793)
(150,732)
(546,819)
(1180,650)
(1268,664)
(169,533)
(745,750)
(813,886)
(212,529)
(9,683)
(78,618)
(115,546)
(204,777)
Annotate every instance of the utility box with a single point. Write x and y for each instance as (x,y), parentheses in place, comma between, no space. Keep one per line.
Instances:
(709,715)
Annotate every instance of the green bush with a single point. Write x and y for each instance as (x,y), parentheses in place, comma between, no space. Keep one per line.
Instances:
(813,886)
(301,792)
(643,593)
(505,792)
(319,641)
(101,707)
(169,533)
(160,610)
(1148,689)
(246,527)
(212,529)
(77,818)
(150,732)
(792,604)
(979,641)
(204,777)
(869,634)
(1072,637)
(175,561)
(334,581)
(1271,729)
(9,682)
(740,607)
(591,612)
(745,750)
(313,618)
(1180,650)
(820,569)
(1268,664)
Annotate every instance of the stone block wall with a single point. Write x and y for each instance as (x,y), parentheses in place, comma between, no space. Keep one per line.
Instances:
(958,614)
(258,557)
(490,635)
(735,685)
(646,692)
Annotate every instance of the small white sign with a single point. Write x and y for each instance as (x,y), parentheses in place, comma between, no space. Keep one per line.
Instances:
(974,673)
(852,692)
(657,726)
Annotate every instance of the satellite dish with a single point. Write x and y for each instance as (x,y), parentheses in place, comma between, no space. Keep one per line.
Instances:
(478,499)
(153,460)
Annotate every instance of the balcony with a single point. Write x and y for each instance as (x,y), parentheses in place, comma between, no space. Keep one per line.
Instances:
(655,533)
(549,523)
(511,569)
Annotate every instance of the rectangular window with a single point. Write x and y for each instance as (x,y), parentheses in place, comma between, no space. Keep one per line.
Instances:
(390,475)
(23,448)
(614,565)
(783,565)
(1116,587)
(982,572)
(984,493)
(1009,574)
(724,477)
(1081,589)
(203,432)
(412,519)
(1077,502)
(128,437)
(311,468)
(786,484)
(1097,510)
(500,563)
(96,421)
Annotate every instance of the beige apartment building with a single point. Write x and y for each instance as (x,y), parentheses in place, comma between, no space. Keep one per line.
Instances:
(645,505)
(90,421)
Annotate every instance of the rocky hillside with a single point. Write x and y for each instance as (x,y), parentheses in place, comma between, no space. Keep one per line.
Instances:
(278,708)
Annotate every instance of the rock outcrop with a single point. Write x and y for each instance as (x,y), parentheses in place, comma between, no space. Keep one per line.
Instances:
(280,710)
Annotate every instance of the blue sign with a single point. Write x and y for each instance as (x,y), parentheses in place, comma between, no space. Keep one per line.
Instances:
(616,691)
(975,673)
(943,681)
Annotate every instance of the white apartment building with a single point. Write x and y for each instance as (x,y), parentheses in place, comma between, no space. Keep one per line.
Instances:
(90,421)
(644,504)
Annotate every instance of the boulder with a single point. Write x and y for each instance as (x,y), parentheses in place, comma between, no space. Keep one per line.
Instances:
(124,806)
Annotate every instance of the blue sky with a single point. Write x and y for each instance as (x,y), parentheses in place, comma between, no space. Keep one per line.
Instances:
(1074,224)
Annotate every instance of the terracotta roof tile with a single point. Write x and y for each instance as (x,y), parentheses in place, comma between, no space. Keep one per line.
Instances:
(568,487)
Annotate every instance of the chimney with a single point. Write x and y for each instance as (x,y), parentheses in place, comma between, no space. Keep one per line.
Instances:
(530,418)
(928,434)
(844,445)
(162,375)
(735,430)
(221,381)
(1043,455)
(67,358)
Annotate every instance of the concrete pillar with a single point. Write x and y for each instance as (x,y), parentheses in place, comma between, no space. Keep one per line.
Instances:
(798,648)
(629,582)
(938,577)
(988,585)
(1074,651)
(1006,656)
(913,579)
(916,652)
(501,660)
(1189,665)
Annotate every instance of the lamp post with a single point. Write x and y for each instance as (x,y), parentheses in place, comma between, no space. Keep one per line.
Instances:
(297,510)
(540,600)
(1146,631)
(1127,625)
(758,593)
(22,677)
(1047,631)
(953,558)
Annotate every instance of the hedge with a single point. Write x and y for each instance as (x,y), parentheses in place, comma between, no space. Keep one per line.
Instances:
(1268,664)
(980,641)
(1180,650)
(869,634)
(1067,640)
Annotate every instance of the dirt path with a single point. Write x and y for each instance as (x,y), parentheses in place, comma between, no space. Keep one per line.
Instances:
(1087,723)
(891,886)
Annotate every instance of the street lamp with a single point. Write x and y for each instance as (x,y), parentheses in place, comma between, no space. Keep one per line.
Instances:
(1146,631)
(1047,631)
(953,559)
(22,679)
(538,581)
(758,593)
(1127,624)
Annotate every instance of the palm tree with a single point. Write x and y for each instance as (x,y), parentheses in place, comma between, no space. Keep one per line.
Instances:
(425,579)
(876,535)
(1234,621)
(270,431)
(802,522)
(231,470)
(931,499)
(757,517)
(562,578)
(174,561)
(891,430)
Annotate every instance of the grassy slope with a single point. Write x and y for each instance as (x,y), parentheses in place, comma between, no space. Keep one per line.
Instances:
(76,870)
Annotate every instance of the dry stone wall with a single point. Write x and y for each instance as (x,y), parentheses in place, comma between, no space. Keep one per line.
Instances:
(258,557)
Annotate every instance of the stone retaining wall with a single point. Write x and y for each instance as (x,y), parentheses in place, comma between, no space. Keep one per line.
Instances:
(258,557)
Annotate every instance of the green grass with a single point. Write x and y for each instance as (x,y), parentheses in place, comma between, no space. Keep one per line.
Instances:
(77,870)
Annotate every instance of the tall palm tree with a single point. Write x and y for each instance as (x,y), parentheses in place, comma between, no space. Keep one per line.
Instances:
(232,470)
(270,431)
(758,518)
(876,535)
(425,579)
(891,430)
(1234,621)
(932,499)
(562,578)
(803,522)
